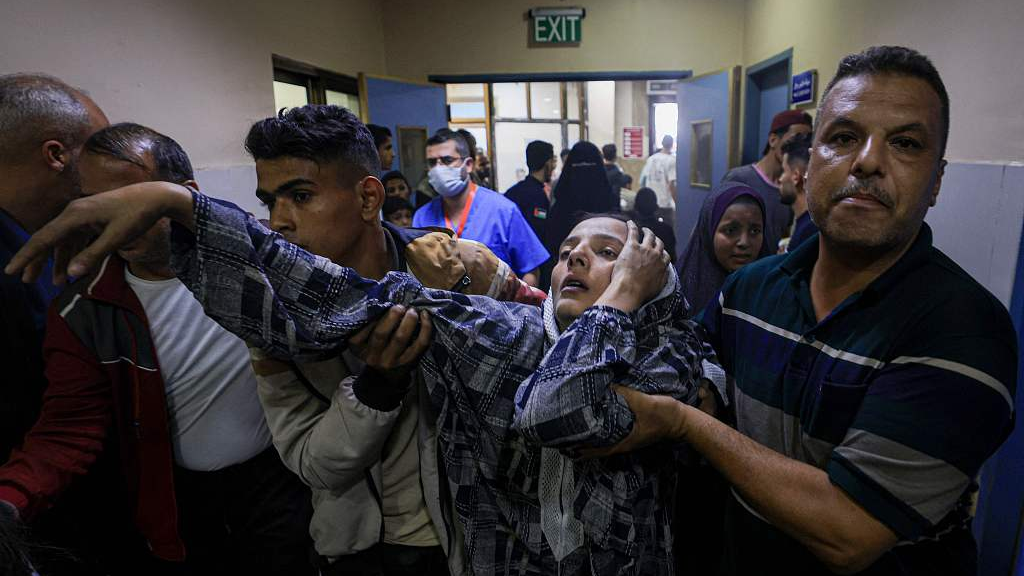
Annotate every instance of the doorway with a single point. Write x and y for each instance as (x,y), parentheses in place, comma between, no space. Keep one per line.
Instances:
(560,108)
(767,93)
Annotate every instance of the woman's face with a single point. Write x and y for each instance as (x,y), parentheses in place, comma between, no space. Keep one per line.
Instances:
(397,187)
(584,269)
(739,235)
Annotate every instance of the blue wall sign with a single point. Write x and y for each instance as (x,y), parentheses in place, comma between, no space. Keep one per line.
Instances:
(805,87)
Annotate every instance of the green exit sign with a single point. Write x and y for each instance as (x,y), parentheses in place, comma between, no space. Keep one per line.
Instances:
(557,25)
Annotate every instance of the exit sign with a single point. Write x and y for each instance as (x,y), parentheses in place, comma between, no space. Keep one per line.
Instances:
(557,25)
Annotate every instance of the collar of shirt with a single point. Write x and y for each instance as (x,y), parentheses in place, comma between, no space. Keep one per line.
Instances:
(799,264)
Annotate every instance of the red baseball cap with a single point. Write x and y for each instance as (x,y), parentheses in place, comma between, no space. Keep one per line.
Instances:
(787,118)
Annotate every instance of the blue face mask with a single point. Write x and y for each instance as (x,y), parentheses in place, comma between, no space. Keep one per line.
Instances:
(448,181)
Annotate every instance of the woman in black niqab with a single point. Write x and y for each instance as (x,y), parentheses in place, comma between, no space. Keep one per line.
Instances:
(582,188)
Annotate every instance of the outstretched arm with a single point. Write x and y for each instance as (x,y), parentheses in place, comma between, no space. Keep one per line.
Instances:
(256,285)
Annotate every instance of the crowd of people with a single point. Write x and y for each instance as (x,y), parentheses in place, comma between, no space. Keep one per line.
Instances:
(389,379)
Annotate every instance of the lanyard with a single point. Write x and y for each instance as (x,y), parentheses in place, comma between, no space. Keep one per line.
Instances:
(465,212)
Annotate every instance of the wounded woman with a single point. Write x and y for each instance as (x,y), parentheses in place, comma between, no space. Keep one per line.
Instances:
(509,381)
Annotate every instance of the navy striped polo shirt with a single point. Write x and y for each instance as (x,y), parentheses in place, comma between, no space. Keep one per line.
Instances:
(900,394)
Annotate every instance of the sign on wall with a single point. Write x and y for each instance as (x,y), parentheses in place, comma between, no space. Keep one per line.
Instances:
(632,141)
(805,87)
(556,25)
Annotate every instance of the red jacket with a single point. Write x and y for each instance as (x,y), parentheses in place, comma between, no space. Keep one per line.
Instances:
(103,377)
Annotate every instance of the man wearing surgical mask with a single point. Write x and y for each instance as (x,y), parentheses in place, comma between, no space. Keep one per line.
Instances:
(473,212)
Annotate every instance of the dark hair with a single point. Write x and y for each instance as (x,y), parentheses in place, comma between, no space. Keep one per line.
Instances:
(380,134)
(667,141)
(897,61)
(393,204)
(39,107)
(538,153)
(322,133)
(609,152)
(646,202)
(582,216)
(798,148)
(131,142)
(445,135)
(395,174)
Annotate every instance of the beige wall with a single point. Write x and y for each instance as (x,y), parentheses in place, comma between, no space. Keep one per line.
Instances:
(460,37)
(975,45)
(198,70)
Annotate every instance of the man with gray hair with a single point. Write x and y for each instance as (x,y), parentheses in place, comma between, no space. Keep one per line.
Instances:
(43,125)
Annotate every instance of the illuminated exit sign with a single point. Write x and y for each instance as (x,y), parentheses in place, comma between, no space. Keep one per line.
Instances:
(557,25)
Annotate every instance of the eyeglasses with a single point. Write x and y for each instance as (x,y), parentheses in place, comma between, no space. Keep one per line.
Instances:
(446,160)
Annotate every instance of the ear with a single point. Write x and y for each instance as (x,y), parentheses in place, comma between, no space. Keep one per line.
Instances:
(938,183)
(55,155)
(470,163)
(370,192)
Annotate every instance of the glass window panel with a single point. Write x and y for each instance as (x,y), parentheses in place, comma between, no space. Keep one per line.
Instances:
(350,101)
(572,100)
(510,140)
(464,92)
(573,135)
(289,95)
(467,110)
(509,99)
(546,100)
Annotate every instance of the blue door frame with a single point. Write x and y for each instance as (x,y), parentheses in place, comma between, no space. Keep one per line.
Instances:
(752,116)
(999,522)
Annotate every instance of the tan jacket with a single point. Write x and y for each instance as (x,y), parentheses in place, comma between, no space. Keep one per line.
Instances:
(336,447)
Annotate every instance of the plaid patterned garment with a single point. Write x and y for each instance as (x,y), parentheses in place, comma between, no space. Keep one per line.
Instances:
(297,305)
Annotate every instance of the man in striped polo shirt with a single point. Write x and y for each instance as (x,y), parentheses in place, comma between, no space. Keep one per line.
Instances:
(873,376)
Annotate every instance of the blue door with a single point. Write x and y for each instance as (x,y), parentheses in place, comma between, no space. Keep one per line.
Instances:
(404,106)
(707,143)
(767,94)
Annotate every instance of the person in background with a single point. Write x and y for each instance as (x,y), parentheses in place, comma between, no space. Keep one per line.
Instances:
(532,199)
(659,174)
(397,211)
(43,124)
(645,208)
(557,173)
(385,147)
(616,177)
(483,169)
(583,188)
(396,184)
(131,354)
(474,212)
(764,174)
(795,155)
(729,235)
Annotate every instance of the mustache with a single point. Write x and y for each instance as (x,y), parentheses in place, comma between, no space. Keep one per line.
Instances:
(864,189)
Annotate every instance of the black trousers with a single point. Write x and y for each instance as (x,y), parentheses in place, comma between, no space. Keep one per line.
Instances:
(251,518)
(389,560)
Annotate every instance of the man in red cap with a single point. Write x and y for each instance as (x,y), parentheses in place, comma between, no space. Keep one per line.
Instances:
(764,174)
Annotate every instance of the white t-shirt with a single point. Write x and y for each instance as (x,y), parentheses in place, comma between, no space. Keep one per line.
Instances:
(658,172)
(215,415)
